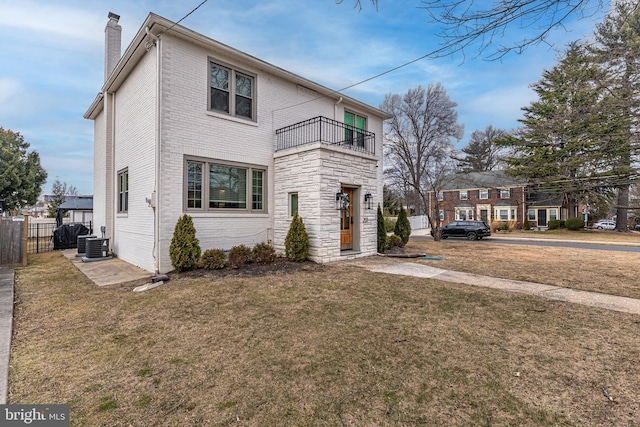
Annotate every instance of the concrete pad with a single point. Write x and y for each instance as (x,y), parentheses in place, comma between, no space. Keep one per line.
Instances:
(112,271)
(6,324)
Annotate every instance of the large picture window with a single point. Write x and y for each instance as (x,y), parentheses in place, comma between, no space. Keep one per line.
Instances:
(213,186)
(231,91)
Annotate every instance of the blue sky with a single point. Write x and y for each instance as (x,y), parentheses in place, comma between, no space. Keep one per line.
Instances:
(52,61)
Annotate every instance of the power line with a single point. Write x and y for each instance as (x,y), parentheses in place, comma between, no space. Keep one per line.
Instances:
(183,18)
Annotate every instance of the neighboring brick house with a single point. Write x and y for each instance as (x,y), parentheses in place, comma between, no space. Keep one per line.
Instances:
(185,124)
(492,196)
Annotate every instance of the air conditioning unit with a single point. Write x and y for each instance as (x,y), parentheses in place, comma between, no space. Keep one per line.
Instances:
(82,244)
(97,247)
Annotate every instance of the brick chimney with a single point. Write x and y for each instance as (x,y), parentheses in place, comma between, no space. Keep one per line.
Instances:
(112,41)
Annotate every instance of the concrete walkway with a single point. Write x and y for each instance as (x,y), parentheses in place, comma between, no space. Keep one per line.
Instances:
(591,299)
(7,278)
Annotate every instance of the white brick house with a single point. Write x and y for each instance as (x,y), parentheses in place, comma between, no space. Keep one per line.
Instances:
(185,124)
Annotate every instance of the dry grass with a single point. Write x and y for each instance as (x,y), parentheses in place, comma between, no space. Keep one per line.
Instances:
(320,346)
(585,235)
(609,272)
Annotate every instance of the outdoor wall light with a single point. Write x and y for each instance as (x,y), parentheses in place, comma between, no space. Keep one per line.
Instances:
(342,201)
(367,200)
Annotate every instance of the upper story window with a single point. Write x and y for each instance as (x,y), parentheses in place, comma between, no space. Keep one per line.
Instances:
(440,196)
(463,195)
(123,191)
(355,126)
(231,91)
(483,194)
(505,194)
(213,186)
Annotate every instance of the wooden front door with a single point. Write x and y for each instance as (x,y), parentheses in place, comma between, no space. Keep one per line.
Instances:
(346,222)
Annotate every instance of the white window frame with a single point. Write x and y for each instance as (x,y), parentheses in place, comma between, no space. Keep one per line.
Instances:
(534,216)
(463,195)
(553,214)
(483,194)
(442,215)
(440,196)
(252,198)
(505,193)
(233,73)
(123,191)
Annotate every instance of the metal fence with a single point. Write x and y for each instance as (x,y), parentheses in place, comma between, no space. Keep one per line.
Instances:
(40,236)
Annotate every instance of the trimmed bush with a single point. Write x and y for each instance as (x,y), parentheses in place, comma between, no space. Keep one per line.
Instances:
(390,224)
(264,253)
(296,243)
(402,228)
(239,256)
(395,241)
(213,259)
(555,224)
(526,225)
(185,247)
(574,224)
(382,231)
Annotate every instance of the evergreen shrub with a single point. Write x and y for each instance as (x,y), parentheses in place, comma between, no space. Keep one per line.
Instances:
(297,241)
(382,231)
(264,253)
(574,224)
(184,250)
(239,255)
(395,241)
(402,228)
(526,225)
(555,224)
(213,259)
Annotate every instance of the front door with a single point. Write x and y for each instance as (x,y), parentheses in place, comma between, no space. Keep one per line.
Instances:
(484,216)
(346,222)
(542,217)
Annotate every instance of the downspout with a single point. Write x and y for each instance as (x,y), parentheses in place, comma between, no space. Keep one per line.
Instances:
(335,109)
(156,209)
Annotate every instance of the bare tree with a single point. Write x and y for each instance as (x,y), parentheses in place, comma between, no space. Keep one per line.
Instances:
(486,25)
(418,141)
(482,154)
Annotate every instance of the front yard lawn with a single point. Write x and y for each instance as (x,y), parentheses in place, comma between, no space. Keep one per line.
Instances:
(331,345)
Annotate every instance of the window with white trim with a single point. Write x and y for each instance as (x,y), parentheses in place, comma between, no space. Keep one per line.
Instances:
(463,195)
(464,214)
(531,214)
(505,194)
(440,196)
(441,215)
(483,194)
(231,91)
(123,191)
(553,214)
(212,185)
(503,214)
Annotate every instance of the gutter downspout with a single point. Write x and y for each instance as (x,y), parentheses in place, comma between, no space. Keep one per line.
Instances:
(156,209)
(335,109)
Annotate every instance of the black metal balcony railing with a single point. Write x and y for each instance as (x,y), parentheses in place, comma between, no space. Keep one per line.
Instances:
(322,129)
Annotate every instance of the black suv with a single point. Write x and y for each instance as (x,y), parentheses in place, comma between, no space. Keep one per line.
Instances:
(472,230)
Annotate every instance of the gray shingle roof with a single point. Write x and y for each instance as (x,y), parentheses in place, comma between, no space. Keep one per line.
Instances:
(480,180)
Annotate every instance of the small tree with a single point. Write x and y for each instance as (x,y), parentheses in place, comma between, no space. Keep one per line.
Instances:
(297,241)
(382,231)
(526,225)
(403,228)
(185,247)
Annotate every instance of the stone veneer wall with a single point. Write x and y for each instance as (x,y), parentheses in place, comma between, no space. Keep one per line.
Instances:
(317,172)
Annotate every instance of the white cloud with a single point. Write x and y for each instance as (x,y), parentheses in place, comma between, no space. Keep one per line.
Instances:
(54,20)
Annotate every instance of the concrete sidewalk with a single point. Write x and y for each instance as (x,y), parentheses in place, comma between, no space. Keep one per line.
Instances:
(7,278)
(591,299)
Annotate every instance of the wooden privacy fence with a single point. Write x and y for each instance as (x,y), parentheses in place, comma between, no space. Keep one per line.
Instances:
(13,241)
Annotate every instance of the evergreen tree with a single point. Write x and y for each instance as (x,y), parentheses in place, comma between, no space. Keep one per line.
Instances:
(297,241)
(185,247)
(556,148)
(616,51)
(403,227)
(382,231)
(482,154)
(21,176)
(60,191)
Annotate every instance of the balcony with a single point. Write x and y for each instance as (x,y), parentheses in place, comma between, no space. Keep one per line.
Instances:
(328,131)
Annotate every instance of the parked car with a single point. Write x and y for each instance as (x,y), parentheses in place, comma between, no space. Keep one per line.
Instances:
(637,227)
(472,230)
(604,224)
